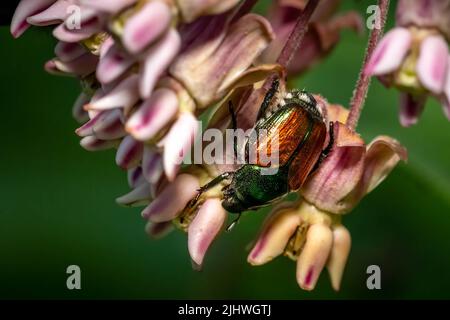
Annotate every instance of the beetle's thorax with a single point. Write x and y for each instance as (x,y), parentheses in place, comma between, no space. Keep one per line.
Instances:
(295,96)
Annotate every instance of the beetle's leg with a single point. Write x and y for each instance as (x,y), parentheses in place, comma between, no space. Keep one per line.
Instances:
(233,223)
(268,98)
(214,182)
(234,124)
(327,150)
(227,191)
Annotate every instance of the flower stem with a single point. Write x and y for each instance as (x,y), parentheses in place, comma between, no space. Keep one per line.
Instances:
(297,34)
(294,40)
(362,85)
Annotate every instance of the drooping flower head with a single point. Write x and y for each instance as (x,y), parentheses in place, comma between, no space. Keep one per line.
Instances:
(414,57)
(150,68)
(310,230)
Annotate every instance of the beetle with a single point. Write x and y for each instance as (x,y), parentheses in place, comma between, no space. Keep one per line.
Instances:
(302,133)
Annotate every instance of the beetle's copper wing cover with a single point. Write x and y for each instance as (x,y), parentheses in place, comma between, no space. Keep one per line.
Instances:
(290,129)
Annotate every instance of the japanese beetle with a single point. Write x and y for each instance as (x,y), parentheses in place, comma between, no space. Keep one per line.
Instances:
(301,131)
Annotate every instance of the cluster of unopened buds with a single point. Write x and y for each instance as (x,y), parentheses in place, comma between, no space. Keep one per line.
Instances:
(150,68)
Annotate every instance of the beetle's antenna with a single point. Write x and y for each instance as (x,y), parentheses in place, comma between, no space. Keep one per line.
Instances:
(234,223)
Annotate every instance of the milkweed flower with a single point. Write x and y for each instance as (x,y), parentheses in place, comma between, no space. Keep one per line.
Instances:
(310,230)
(142,90)
(414,57)
(57,12)
(203,221)
(176,202)
(149,68)
(200,75)
(196,79)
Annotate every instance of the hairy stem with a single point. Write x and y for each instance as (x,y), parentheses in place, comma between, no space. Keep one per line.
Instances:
(247,114)
(362,85)
(294,40)
(297,34)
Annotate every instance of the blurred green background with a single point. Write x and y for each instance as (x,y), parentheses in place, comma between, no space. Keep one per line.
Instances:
(57,202)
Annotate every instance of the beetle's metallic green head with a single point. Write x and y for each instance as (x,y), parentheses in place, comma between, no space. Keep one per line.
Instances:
(233,205)
(231,202)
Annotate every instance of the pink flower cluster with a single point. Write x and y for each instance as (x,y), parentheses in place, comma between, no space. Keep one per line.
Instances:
(150,68)
(414,57)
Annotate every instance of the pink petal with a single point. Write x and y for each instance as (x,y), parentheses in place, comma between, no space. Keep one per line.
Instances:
(63,34)
(25,9)
(91,143)
(219,55)
(411,108)
(157,60)
(140,196)
(390,52)
(424,14)
(178,143)
(93,113)
(146,26)
(129,153)
(69,51)
(339,254)
(432,64)
(158,230)
(172,200)
(110,6)
(153,115)
(277,230)
(56,13)
(106,125)
(113,64)
(193,9)
(135,177)
(152,165)
(383,154)
(91,23)
(106,45)
(87,129)
(204,228)
(311,261)
(111,126)
(81,66)
(338,175)
(125,95)
(76,35)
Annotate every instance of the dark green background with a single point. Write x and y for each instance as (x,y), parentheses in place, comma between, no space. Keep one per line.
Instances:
(57,202)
